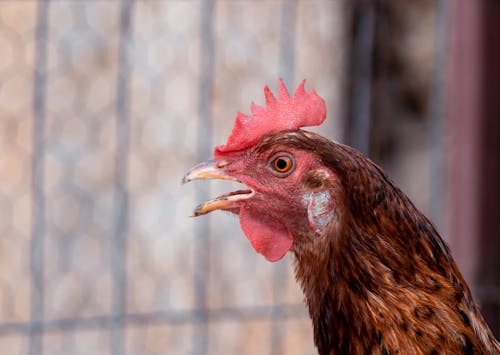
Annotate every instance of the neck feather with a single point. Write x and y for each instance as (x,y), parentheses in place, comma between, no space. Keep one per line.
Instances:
(369,291)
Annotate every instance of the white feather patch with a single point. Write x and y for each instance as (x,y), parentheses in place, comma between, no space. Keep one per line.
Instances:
(319,209)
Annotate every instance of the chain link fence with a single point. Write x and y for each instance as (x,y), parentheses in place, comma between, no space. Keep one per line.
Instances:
(103,106)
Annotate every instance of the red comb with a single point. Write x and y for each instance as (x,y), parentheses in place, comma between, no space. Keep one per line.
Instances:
(301,110)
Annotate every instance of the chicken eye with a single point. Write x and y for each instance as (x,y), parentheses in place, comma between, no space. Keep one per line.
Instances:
(282,164)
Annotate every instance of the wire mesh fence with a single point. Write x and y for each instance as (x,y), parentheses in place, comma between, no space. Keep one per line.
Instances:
(103,106)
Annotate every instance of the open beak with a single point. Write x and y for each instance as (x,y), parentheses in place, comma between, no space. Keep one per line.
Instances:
(227,202)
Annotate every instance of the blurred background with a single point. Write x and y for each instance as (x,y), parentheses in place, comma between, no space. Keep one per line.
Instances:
(105,104)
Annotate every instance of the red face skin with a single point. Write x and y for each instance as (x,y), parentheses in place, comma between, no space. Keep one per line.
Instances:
(285,206)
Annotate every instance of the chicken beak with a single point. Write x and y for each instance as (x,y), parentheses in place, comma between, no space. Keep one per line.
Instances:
(206,170)
(228,202)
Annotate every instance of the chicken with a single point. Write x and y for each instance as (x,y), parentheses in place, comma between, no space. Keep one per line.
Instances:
(377,277)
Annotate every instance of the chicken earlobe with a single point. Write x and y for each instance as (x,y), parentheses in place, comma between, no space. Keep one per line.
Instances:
(319,209)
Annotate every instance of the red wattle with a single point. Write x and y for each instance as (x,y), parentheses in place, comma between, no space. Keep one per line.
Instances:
(267,236)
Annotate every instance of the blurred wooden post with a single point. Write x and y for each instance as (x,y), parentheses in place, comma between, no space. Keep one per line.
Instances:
(361,74)
(489,223)
(473,223)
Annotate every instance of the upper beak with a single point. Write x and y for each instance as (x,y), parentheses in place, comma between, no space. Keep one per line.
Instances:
(212,170)
(206,170)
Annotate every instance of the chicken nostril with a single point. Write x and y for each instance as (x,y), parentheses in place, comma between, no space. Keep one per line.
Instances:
(222,163)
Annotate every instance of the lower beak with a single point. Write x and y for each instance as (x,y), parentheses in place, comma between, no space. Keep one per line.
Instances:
(227,202)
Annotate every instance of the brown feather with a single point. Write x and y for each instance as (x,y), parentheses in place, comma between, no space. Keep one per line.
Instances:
(380,279)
